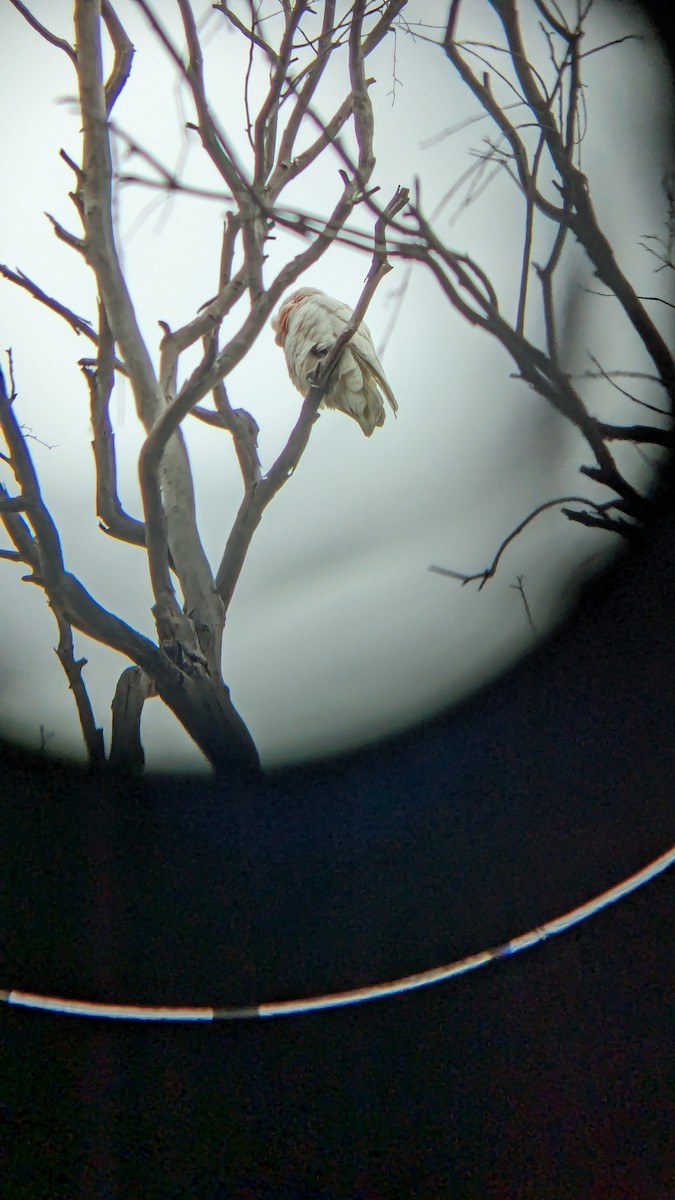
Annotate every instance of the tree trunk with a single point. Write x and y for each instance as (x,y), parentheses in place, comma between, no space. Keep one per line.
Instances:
(204,708)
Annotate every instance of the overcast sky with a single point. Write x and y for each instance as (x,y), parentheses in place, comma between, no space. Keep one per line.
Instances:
(338,632)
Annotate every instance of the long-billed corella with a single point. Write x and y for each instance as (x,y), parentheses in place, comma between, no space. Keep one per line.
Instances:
(307,324)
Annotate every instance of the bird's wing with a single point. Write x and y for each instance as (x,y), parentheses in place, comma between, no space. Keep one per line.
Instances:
(362,345)
(308,327)
(370,364)
(337,314)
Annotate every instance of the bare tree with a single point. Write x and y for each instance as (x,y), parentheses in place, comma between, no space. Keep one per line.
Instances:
(183,666)
(533,98)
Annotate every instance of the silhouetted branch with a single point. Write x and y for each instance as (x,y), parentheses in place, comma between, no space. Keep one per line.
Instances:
(520,587)
(555,113)
(481,89)
(650,434)
(490,571)
(581,215)
(611,524)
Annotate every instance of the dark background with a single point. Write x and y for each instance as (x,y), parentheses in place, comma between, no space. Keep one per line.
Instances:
(544,1075)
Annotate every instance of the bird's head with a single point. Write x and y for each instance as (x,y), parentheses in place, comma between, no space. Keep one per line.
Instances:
(280,321)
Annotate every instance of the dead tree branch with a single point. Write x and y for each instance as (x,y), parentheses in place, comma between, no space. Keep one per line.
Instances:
(65,652)
(550,135)
(79,324)
(126,749)
(519,586)
(100,379)
(181,535)
(581,215)
(491,571)
(60,43)
(199,702)
(124,54)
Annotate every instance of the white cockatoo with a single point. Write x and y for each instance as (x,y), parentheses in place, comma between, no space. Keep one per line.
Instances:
(306,326)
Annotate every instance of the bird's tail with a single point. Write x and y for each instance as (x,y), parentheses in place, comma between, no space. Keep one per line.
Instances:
(358,389)
(373,374)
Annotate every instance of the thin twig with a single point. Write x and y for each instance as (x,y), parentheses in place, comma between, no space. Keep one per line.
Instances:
(254,38)
(608,376)
(65,652)
(79,324)
(490,571)
(60,43)
(519,587)
(481,90)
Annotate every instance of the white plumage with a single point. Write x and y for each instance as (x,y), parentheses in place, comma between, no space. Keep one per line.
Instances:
(306,326)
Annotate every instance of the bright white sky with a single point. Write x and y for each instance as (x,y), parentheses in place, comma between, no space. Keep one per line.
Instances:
(338,632)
